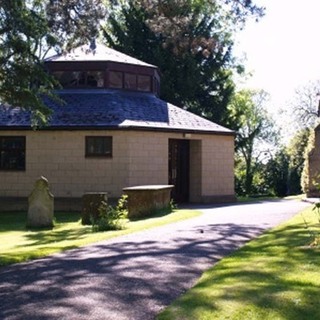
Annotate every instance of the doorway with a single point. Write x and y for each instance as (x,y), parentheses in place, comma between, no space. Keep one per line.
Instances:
(179,169)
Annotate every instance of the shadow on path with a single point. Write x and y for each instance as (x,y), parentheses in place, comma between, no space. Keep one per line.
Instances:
(105,281)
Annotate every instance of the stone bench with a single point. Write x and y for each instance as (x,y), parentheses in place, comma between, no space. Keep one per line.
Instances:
(145,200)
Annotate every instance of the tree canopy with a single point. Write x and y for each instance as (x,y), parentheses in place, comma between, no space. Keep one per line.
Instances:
(28,30)
(191,43)
(305,105)
(190,40)
(23,32)
(253,125)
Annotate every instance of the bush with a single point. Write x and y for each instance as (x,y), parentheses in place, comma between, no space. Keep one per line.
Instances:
(111,218)
(305,179)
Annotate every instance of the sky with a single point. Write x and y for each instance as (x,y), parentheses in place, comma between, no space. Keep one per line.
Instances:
(283,49)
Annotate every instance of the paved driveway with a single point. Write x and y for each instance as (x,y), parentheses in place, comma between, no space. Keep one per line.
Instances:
(135,276)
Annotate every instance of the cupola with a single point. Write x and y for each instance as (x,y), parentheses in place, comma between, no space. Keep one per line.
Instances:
(100,67)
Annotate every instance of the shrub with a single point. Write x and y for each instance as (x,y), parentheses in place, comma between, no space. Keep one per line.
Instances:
(305,179)
(111,218)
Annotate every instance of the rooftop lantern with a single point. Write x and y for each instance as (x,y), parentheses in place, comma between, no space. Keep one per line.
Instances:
(99,67)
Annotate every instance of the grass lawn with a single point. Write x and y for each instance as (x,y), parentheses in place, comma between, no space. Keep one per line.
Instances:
(18,244)
(276,276)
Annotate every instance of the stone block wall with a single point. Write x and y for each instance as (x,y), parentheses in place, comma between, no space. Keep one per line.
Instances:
(218,169)
(148,158)
(139,158)
(60,157)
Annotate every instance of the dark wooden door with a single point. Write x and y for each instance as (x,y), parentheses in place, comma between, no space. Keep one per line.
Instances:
(179,169)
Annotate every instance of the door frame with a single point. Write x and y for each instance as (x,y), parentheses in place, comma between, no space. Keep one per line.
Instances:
(179,169)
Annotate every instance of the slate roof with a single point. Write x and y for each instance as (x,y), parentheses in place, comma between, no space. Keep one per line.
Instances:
(100,53)
(112,109)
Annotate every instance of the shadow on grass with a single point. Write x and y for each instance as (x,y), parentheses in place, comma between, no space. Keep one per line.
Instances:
(143,273)
(50,236)
(13,221)
(263,280)
(154,214)
(16,221)
(149,272)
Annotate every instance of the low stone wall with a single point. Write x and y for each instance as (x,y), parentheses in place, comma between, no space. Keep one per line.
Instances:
(145,200)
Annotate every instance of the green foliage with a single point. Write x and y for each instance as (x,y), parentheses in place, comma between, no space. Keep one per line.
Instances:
(277,173)
(296,151)
(190,42)
(280,175)
(172,206)
(74,22)
(254,126)
(273,277)
(305,172)
(23,32)
(111,218)
(28,30)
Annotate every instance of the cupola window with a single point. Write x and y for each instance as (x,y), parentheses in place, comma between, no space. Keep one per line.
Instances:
(130,81)
(116,79)
(84,79)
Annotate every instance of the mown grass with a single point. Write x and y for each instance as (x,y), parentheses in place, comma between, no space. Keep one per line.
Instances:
(270,197)
(17,244)
(273,277)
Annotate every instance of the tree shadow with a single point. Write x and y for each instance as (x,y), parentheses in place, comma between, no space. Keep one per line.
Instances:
(100,281)
(42,237)
(16,221)
(135,276)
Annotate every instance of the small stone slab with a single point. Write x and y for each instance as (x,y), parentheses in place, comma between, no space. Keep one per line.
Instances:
(41,205)
(91,202)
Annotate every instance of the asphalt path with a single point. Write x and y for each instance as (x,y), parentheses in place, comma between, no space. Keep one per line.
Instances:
(135,276)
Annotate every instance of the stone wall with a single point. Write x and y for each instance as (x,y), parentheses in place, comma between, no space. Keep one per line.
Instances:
(139,158)
(218,169)
(60,156)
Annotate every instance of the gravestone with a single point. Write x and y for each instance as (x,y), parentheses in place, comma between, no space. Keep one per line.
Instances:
(91,202)
(40,212)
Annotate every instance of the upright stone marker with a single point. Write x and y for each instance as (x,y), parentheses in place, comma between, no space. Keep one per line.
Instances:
(91,202)
(40,212)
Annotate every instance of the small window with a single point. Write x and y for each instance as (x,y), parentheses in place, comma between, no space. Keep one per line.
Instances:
(98,146)
(72,79)
(69,79)
(144,83)
(130,81)
(12,153)
(95,79)
(116,79)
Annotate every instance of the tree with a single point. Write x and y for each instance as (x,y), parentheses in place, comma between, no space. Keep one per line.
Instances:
(276,173)
(249,118)
(305,104)
(28,30)
(190,42)
(307,181)
(296,150)
(23,32)
(74,22)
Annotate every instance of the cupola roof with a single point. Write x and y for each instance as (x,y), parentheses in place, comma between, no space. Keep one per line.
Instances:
(100,53)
